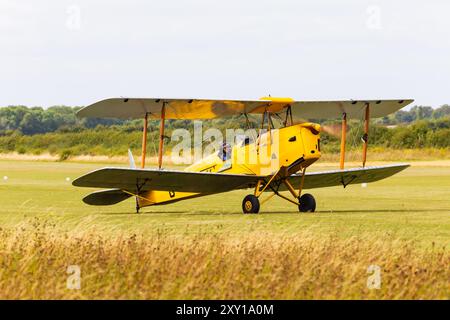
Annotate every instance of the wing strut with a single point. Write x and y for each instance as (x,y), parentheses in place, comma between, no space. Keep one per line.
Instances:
(277,179)
(343,139)
(144,140)
(366,134)
(161,135)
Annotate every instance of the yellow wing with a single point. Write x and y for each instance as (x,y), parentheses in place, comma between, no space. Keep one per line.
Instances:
(132,180)
(166,180)
(137,108)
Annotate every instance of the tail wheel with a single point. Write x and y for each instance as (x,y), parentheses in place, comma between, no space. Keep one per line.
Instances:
(137,204)
(307,203)
(250,204)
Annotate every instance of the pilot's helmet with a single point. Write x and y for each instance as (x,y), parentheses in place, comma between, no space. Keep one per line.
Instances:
(226,147)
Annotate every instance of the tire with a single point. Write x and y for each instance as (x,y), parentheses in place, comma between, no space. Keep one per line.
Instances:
(250,204)
(307,203)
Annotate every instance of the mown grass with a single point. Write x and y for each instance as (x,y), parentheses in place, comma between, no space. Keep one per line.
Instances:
(205,247)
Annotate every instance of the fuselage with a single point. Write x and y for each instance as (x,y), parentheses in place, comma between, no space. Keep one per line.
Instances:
(289,149)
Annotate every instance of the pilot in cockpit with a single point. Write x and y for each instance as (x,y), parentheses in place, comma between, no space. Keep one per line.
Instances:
(225,152)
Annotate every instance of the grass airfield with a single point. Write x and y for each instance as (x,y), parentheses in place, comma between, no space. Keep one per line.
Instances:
(415,204)
(206,248)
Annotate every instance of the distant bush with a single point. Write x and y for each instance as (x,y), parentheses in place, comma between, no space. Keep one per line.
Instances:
(65,154)
(439,139)
(403,138)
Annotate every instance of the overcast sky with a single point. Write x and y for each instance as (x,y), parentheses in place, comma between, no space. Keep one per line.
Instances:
(77,52)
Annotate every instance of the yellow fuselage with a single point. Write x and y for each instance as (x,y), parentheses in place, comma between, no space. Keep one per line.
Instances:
(290,148)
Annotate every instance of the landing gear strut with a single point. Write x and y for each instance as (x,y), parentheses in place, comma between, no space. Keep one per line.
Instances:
(305,203)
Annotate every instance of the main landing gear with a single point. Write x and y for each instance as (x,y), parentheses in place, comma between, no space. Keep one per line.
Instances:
(305,203)
(250,204)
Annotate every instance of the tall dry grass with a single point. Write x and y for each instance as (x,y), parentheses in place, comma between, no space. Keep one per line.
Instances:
(34,260)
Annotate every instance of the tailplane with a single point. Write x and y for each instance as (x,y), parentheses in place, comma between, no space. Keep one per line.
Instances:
(110,196)
(106,197)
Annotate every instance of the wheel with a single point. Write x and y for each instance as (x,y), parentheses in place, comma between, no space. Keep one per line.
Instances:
(307,203)
(250,204)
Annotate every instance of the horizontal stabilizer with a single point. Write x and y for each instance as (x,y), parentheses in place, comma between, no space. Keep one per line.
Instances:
(106,197)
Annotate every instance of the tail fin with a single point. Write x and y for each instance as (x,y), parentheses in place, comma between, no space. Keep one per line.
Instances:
(133,166)
(131,159)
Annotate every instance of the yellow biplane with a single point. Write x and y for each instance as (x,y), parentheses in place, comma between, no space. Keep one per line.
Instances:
(297,147)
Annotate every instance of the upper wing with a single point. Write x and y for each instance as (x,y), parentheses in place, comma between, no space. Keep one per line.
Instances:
(345,177)
(134,108)
(165,180)
(353,109)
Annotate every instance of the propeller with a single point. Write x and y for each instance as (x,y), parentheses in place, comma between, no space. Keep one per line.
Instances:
(332,129)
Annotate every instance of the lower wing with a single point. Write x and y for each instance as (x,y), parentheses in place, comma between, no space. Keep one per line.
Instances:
(126,181)
(345,177)
(138,180)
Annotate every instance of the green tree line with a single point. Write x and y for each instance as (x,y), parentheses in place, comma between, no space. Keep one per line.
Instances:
(57,130)
(37,120)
